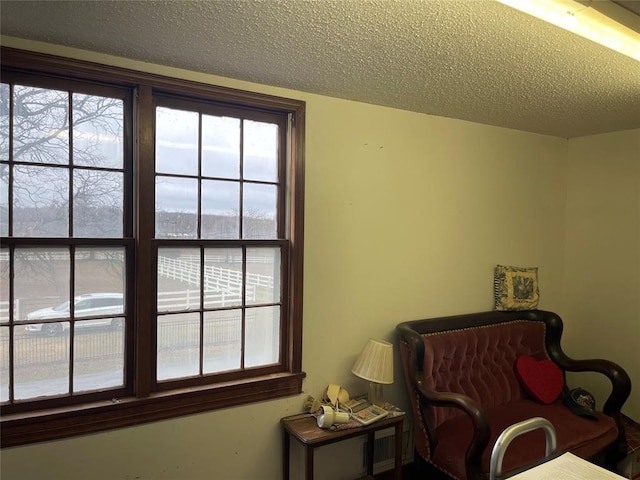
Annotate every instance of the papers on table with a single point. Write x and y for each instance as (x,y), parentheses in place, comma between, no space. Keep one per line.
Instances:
(567,467)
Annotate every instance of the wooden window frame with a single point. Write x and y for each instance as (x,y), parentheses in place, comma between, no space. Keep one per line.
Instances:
(144,402)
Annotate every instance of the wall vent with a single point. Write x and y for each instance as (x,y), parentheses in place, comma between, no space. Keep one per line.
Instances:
(383,451)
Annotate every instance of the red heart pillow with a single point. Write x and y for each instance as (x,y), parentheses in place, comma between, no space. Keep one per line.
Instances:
(542,379)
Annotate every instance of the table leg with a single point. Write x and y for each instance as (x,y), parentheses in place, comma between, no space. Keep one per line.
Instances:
(309,462)
(397,473)
(371,438)
(286,440)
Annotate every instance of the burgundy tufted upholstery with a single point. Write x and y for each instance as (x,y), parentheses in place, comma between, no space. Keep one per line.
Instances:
(461,380)
(579,435)
(479,362)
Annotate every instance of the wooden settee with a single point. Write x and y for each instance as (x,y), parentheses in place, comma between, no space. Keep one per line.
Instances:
(464,392)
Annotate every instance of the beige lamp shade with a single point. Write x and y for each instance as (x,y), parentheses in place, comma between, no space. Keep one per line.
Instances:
(375,362)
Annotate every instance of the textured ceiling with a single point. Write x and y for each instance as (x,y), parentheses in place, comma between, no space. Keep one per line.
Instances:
(473,60)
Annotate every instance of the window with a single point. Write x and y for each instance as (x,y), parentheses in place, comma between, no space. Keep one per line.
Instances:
(151,257)
(218,184)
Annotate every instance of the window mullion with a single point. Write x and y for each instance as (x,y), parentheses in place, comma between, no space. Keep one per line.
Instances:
(71,162)
(72,312)
(72,248)
(144,185)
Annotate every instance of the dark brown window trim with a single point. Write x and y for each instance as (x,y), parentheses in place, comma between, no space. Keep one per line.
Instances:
(60,423)
(56,423)
(52,65)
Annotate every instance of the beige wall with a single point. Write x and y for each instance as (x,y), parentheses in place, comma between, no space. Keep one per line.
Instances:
(602,259)
(406,216)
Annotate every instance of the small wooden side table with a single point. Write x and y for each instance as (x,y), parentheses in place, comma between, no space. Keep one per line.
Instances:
(306,431)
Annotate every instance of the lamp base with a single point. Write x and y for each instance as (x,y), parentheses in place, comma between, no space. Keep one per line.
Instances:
(375,394)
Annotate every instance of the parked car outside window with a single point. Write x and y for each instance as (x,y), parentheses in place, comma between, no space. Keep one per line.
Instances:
(103,305)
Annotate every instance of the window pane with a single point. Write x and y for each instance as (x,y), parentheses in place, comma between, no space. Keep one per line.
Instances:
(4,121)
(262,336)
(4,155)
(4,200)
(176,207)
(259,215)
(260,151)
(40,201)
(263,275)
(42,283)
(97,203)
(4,364)
(223,277)
(100,279)
(98,361)
(97,131)
(178,279)
(178,345)
(222,335)
(41,363)
(41,125)
(4,285)
(220,147)
(176,141)
(220,207)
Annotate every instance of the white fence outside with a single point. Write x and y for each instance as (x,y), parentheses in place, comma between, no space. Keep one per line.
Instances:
(190,299)
(222,287)
(215,278)
(4,311)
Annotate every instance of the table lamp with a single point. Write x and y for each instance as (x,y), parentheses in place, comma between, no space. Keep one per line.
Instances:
(375,364)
